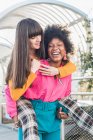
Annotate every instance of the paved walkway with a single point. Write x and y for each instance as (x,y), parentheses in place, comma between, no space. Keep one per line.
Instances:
(7,133)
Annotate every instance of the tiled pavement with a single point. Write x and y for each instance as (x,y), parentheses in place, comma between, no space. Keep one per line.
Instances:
(7,132)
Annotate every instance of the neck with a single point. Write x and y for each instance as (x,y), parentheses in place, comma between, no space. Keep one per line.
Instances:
(32,54)
(55,64)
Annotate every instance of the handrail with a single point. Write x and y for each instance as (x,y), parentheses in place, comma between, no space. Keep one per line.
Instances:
(82,78)
(82,93)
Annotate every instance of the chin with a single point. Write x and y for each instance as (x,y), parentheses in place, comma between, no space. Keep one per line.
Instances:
(38,47)
(56,60)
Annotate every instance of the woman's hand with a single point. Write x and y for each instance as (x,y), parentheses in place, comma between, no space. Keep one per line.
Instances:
(62,115)
(48,70)
(15,119)
(35,65)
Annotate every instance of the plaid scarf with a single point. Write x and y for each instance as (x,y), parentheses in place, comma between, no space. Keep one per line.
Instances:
(27,118)
(81,118)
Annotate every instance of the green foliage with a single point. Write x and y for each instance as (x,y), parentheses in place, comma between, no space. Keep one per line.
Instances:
(86,62)
(87,70)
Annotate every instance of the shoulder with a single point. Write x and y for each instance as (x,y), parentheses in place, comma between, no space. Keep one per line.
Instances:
(44,61)
(6,89)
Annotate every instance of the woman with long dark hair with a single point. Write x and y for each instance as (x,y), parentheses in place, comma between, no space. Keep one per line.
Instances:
(21,69)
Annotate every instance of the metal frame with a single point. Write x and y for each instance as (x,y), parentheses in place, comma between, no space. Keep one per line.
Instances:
(55,2)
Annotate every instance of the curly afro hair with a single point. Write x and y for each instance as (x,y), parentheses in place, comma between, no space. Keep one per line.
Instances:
(57,31)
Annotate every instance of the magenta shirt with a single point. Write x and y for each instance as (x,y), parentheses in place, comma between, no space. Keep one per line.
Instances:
(46,88)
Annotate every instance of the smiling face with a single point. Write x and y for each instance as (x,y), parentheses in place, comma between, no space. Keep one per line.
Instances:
(56,50)
(35,42)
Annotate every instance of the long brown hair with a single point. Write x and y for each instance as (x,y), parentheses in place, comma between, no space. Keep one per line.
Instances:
(18,68)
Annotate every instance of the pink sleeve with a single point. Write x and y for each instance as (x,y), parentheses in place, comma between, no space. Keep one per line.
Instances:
(10,104)
(68,87)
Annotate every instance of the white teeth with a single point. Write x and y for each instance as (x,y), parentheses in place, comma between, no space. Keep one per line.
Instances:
(55,53)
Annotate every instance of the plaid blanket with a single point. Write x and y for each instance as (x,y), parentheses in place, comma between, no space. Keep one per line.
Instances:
(27,118)
(82,119)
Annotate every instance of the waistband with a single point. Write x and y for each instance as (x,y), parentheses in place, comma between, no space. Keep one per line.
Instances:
(39,104)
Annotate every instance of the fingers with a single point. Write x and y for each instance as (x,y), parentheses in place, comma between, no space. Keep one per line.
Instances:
(45,73)
(45,66)
(17,124)
(44,69)
(59,112)
(48,70)
(60,109)
(62,115)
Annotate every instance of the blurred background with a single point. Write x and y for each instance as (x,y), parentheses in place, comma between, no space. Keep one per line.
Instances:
(76,15)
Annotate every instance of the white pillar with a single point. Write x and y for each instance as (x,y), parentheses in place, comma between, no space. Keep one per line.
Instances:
(1,112)
(62,130)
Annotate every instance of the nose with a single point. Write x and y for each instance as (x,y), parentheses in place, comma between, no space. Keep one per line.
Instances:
(55,47)
(39,38)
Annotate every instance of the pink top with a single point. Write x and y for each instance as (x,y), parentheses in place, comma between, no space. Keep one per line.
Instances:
(10,103)
(46,88)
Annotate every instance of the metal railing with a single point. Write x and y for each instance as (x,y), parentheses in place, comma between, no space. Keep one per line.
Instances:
(76,94)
